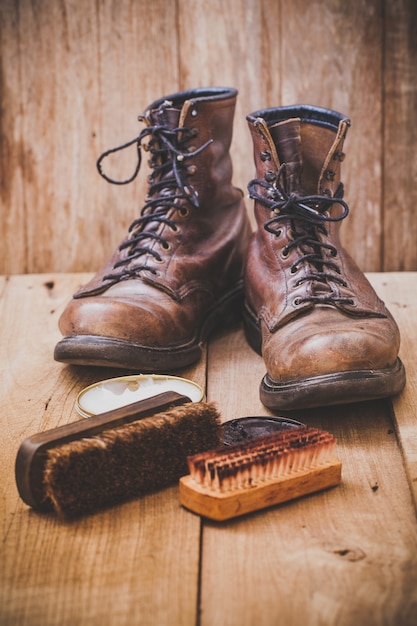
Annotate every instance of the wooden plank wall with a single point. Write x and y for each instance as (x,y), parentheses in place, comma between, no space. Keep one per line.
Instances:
(76,73)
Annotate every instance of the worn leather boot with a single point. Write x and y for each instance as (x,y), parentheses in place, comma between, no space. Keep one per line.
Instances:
(179,272)
(325,336)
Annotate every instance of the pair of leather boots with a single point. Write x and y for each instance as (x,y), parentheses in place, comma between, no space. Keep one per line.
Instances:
(190,260)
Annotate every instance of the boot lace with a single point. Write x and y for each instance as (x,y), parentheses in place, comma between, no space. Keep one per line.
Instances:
(308,216)
(168,188)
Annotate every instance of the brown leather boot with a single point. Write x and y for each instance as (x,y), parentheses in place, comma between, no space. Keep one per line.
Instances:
(325,336)
(178,273)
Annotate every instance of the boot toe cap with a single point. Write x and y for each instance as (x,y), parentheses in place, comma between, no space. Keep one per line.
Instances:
(335,344)
(145,321)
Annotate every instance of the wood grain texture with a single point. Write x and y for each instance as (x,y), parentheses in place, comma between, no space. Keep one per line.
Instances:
(347,556)
(134,563)
(400,136)
(344,557)
(74,76)
(331,51)
(233,45)
(402,303)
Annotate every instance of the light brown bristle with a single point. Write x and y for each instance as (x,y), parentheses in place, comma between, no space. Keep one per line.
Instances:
(263,459)
(269,470)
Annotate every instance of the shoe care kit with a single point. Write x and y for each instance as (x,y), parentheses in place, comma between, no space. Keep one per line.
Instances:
(189,262)
(237,467)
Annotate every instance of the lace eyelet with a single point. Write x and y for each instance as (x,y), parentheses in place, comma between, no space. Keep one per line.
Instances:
(166,246)
(194,113)
(339,155)
(191,170)
(174,228)
(184,211)
(296,302)
(285,253)
(294,269)
(194,132)
(265,155)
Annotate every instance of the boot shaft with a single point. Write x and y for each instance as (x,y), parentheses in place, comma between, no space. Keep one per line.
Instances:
(193,220)
(201,124)
(308,140)
(299,208)
(298,190)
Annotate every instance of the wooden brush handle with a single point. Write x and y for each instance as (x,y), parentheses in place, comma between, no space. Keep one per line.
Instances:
(220,506)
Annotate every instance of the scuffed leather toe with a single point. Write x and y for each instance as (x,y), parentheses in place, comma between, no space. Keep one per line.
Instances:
(327,341)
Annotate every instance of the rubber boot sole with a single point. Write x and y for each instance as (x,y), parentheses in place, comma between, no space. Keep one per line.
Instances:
(93,350)
(324,390)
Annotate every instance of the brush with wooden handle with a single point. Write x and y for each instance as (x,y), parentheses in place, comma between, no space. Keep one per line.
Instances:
(87,465)
(269,470)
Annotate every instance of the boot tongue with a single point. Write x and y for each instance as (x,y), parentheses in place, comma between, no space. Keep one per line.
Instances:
(165,115)
(287,139)
(302,172)
(304,147)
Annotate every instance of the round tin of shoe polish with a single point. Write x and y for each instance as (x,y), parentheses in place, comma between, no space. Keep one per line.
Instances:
(114,393)
(244,429)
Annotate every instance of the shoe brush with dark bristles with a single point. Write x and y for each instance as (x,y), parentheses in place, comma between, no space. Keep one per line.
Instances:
(269,470)
(115,456)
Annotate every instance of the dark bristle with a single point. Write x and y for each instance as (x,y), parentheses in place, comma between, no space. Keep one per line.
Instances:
(128,461)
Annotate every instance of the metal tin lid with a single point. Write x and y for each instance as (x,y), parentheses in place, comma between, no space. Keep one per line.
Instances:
(244,429)
(113,393)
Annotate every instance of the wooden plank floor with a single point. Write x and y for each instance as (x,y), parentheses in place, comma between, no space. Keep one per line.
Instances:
(344,557)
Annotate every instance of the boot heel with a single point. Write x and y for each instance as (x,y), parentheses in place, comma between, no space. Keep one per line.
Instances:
(226,314)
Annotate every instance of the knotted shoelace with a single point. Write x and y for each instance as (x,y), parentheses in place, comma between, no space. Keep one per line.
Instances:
(168,189)
(308,216)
